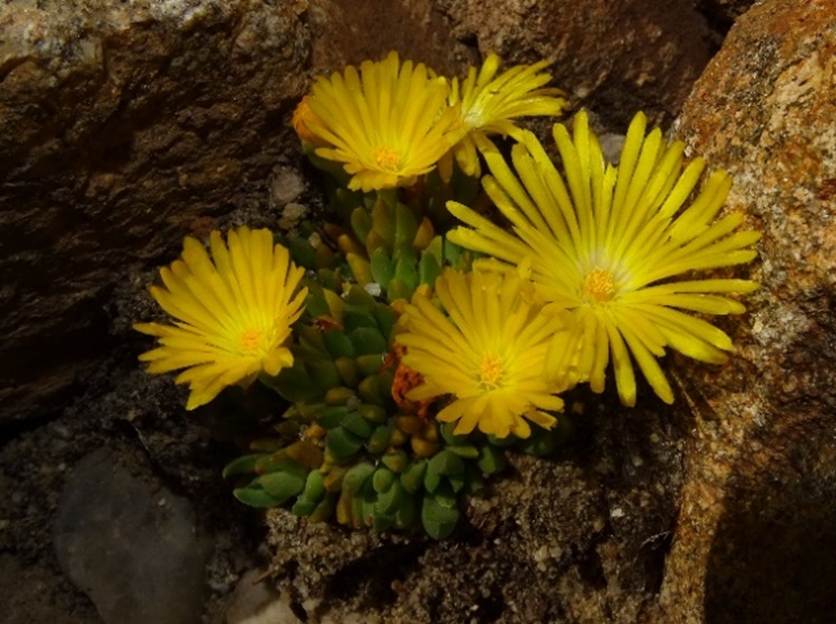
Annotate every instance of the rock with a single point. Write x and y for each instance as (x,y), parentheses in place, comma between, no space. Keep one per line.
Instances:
(613,56)
(581,538)
(29,595)
(757,525)
(130,545)
(255,601)
(252,594)
(724,11)
(286,186)
(125,126)
(347,31)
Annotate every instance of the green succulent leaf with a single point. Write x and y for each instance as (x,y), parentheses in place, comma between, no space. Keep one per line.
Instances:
(383,269)
(372,391)
(352,319)
(284,484)
(356,477)
(368,341)
(347,368)
(303,507)
(407,512)
(439,521)
(428,269)
(406,226)
(324,373)
(386,319)
(467,451)
(342,444)
(396,461)
(389,500)
(397,289)
(382,480)
(372,413)
(314,487)
(323,510)
(406,271)
(338,344)
(356,424)
(361,224)
(301,251)
(293,383)
(241,465)
(491,460)
(330,417)
(369,364)
(255,497)
(412,478)
(379,439)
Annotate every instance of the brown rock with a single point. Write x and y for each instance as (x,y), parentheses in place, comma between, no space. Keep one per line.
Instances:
(347,31)
(123,124)
(613,56)
(757,525)
(725,11)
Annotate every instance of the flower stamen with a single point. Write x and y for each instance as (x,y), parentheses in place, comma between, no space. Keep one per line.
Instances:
(598,286)
(251,340)
(490,372)
(387,159)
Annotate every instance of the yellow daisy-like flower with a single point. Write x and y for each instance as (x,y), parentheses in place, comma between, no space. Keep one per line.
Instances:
(232,312)
(387,123)
(490,103)
(607,246)
(488,352)
(302,116)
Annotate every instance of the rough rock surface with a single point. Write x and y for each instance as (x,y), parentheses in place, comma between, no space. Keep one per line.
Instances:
(613,56)
(724,11)
(125,126)
(581,538)
(131,544)
(757,524)
(347,31)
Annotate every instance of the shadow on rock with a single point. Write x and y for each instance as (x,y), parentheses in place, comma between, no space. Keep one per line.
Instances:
(772,557)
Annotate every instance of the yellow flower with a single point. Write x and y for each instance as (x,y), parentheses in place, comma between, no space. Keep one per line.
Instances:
(387,123)
(232,312)
(489,103)
(302,116)
(608,245)
(488,352)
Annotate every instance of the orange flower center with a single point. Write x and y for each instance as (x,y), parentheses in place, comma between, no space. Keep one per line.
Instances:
(490,371)
(387,159)
(599,286)
(251,340)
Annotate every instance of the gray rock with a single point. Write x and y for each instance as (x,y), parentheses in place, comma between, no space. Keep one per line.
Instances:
(130,545)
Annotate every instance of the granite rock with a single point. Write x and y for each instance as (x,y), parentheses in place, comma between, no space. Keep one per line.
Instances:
(757,525)
(613,56)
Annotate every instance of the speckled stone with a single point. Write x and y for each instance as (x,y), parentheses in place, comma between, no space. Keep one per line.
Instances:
(757,525)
